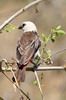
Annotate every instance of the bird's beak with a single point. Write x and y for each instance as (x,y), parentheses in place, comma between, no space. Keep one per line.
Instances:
(20,27)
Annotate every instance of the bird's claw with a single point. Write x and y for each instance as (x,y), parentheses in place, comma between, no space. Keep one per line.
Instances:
(35,68)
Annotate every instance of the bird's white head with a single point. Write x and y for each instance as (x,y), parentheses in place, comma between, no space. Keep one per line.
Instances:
(28,27)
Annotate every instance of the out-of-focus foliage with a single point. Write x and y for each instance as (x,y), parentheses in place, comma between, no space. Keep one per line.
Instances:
(9,28)
(54,33)
(46,54)
(1,98)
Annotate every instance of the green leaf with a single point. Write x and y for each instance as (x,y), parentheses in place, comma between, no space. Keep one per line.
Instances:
(44,38)
(58,27)
(53,37)
(6,67)
(11,27)
(8,28)
(35,82)
(60,32)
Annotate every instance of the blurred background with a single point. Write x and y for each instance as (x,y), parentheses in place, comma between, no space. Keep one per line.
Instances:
(51,14)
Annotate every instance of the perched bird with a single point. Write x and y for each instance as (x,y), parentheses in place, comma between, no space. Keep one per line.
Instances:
(27,46)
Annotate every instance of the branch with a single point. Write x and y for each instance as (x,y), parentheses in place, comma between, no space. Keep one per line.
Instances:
(45,68)
(19,12)
(15,80)
(39,68)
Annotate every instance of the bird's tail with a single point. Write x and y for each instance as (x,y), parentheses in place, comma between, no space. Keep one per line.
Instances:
(20,75)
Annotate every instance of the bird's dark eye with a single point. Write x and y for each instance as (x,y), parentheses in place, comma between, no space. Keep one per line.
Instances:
(23,25)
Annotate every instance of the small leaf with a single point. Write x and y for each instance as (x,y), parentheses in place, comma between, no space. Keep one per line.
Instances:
(11,27)
(58,27)
(6,67)
(53,37)
(60,32)
(44,38)
(35,82)
(7,30)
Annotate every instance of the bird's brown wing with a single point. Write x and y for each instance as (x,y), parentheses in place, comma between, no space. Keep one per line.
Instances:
(27,44)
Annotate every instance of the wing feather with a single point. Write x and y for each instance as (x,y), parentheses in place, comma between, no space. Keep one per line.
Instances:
(27,44)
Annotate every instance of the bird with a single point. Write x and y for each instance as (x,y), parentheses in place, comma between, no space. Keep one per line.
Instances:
(27,47)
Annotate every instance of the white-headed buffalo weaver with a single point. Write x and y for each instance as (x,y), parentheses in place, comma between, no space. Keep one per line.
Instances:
(27,46)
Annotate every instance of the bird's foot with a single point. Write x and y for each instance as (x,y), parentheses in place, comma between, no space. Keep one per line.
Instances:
(35,67)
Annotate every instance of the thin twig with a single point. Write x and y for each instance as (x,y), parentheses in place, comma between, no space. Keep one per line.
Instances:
(15,79)
(37,78)
(19,12)
(58,52)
